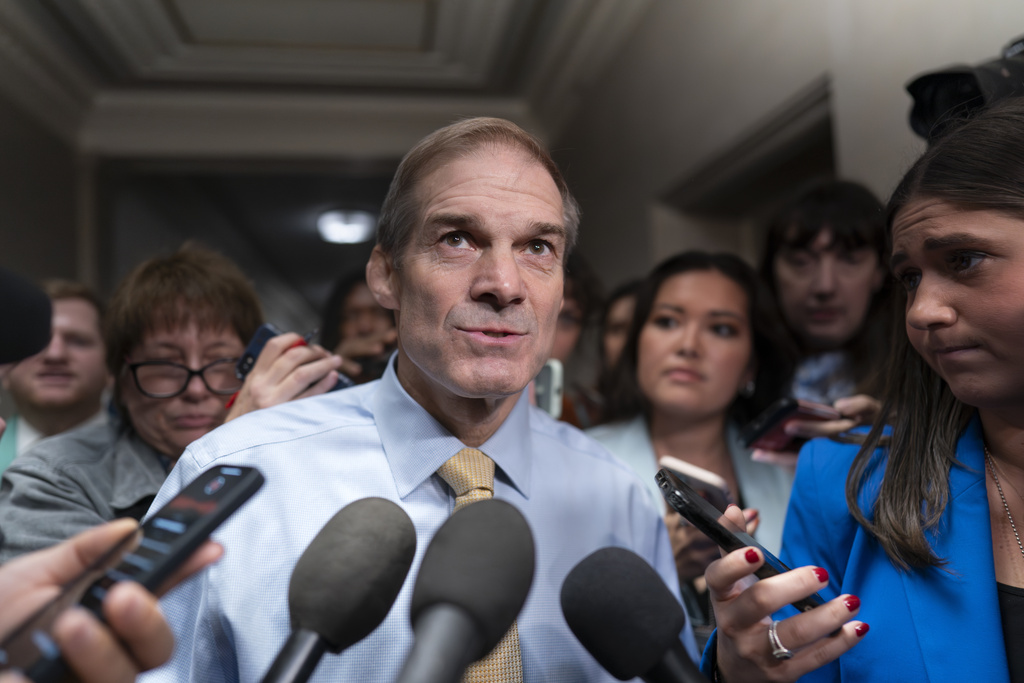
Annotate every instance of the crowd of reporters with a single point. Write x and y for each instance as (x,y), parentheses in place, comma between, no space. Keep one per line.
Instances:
(705,345)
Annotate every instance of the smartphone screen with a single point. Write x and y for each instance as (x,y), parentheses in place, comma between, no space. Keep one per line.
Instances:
(721,530)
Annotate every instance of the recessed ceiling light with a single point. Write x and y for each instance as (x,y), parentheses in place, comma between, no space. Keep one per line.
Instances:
(346,227)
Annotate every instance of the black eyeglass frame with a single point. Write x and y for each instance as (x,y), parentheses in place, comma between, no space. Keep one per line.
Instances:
(134,369)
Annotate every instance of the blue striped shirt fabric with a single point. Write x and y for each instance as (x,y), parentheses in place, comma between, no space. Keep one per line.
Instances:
(322,453)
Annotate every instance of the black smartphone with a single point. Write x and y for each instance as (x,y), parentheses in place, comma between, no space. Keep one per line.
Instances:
(167,539)
(263,334)
(767,431)
(716,526)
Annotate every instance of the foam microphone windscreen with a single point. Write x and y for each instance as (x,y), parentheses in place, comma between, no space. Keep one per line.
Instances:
(621,611)
(480,560)
(25,314)
(347,579)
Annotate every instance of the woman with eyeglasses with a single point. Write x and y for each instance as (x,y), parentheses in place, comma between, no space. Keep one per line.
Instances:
(175,329)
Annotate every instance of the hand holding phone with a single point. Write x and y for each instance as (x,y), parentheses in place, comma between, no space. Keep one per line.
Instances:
(167,540)
(276,370)
(768,430)
(721,530)
(755,641)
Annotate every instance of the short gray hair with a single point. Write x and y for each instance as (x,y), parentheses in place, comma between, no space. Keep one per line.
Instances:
(401,209)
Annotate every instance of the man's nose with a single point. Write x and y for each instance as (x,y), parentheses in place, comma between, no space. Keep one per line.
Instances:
(499,278)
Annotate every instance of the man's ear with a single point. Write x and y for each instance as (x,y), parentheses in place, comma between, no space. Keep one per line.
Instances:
(382,279)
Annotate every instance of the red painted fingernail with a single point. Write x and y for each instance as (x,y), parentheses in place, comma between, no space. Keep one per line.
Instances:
(822,574)
(852,603)
(751,556)
(301,342)
(860,629)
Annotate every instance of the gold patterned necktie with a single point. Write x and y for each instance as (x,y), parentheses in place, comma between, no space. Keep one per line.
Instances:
(470,473)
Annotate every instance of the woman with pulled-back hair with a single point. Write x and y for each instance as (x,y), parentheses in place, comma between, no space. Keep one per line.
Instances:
(705,352)
(917,532)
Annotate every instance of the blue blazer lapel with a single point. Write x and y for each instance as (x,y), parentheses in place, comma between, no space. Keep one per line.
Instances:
(955,610)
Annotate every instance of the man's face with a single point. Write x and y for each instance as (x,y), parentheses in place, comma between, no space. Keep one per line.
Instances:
(479,288)
(71,371)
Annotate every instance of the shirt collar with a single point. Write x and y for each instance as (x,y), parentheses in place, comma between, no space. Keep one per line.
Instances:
(415,444)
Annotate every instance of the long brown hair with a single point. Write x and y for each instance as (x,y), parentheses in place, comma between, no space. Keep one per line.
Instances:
(774,355)
(978,166)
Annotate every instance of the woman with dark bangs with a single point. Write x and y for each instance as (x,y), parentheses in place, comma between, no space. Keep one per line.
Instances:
(824,262)
(917,531)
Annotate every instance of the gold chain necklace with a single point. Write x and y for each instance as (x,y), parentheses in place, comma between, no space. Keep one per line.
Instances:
(992,468)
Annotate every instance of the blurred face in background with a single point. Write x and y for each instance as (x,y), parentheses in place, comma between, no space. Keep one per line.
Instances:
(568,329)
(695,349)
(362,316)
(616,328)
(70,374)
(825,290)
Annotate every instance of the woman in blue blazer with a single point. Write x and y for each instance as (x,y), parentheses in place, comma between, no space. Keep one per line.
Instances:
(918,532)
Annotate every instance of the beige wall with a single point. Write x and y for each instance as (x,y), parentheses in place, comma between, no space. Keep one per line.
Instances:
(700,76)
(876,47)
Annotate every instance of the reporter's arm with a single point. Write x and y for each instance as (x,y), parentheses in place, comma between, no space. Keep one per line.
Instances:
(137,637)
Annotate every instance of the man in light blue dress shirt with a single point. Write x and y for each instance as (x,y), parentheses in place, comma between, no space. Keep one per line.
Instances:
(471,245)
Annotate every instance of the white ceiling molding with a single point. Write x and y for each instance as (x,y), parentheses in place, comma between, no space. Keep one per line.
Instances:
(245,125)
(39,78)
(261,77)
(447,43)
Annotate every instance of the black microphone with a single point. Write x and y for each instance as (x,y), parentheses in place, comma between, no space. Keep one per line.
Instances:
(475,575)
(344,584)
(627,618)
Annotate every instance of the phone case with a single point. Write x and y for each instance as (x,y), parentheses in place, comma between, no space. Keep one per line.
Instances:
(707,484)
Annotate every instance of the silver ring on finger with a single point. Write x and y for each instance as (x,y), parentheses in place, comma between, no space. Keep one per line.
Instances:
(779,651)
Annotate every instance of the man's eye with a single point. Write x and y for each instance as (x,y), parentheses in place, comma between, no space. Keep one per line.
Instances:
(454,239)
(540,247)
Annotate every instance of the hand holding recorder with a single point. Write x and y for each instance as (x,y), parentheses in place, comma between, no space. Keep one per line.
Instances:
(97,571)
(135,637)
